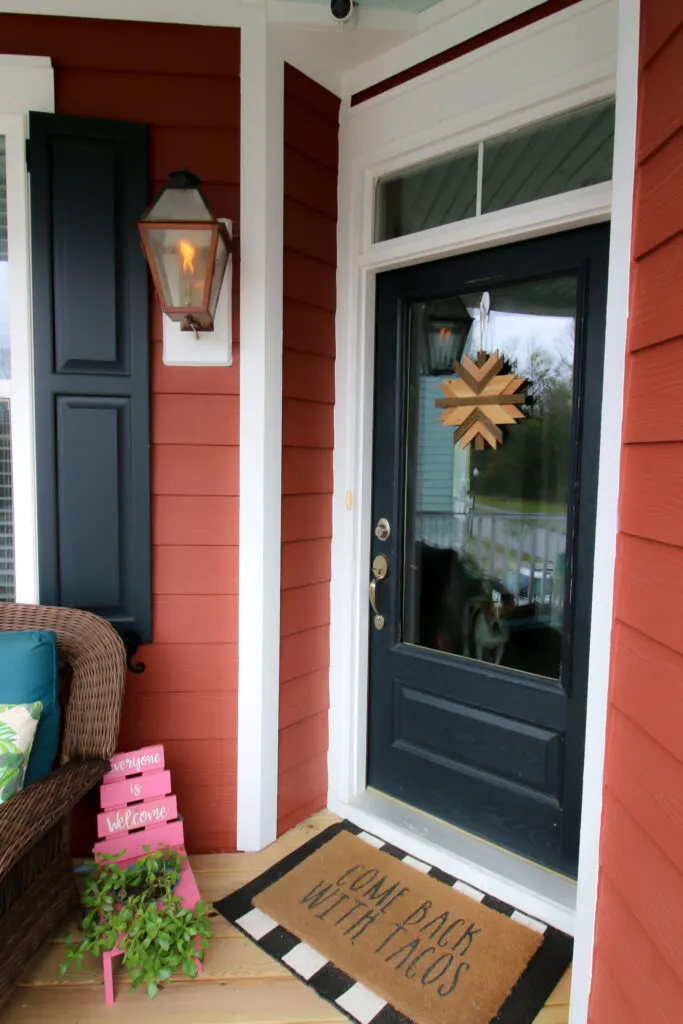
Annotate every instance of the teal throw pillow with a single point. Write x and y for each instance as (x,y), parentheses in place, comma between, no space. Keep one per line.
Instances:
(18,723)
(28,673)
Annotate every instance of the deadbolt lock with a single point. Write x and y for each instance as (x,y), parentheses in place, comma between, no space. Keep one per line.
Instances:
(380,567)
(383,529)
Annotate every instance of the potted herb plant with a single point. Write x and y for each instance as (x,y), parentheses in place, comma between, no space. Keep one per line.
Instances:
(136,907)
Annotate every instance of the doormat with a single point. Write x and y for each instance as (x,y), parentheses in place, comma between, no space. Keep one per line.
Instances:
(389,939)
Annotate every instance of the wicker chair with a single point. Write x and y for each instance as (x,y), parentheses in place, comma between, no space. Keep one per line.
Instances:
(37,888)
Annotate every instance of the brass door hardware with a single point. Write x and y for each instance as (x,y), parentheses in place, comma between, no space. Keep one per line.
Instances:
(380,571)
(383,529)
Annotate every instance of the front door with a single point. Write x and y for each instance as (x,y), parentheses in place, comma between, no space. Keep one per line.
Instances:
(483,536)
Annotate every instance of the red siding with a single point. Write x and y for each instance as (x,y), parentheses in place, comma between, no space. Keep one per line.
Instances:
(310,262)
(638,969)
(182,81)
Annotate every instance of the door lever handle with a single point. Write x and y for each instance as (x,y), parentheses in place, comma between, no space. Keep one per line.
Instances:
(379,619)
(380,570)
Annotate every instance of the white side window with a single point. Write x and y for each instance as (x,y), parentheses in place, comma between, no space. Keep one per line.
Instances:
(26,83)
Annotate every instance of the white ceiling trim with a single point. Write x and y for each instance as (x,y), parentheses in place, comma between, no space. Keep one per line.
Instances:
(308,35)
(439,27)
(445,9)
(343,58)
(221,13)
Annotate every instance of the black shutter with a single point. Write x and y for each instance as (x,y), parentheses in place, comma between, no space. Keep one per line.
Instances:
(91,338)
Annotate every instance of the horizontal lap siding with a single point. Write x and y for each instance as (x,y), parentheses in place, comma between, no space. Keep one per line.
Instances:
(183,81)
(638,970)
(310,263)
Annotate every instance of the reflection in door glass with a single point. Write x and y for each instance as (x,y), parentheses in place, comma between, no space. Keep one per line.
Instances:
(486,530)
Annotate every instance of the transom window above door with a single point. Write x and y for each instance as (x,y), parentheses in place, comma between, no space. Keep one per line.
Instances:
(559,154)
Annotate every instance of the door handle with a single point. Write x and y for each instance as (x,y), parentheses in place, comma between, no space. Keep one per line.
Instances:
(380,571)
(379,619)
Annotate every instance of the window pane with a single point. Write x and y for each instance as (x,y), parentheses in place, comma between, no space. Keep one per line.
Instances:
(486,530)
(557,155)
(433,193)
(6,519)
(4,266)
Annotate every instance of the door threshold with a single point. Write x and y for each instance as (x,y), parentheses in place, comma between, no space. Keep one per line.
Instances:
(535,890)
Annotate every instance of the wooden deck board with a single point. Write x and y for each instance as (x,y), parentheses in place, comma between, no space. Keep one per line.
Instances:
(240,984)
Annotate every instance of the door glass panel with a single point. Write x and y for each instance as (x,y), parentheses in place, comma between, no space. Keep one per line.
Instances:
(486,530)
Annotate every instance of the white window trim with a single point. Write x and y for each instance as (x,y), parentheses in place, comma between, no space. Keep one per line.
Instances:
(451,145)
(26,83)
(540,892)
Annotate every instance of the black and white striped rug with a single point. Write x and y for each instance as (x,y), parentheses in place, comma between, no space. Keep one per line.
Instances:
(352,998)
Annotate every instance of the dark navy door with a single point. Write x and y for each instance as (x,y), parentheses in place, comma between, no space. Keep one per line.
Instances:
(488,382)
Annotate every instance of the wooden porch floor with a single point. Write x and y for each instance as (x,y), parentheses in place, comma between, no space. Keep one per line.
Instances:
(240,983)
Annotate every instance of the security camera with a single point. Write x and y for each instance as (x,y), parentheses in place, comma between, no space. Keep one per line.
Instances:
(343,10)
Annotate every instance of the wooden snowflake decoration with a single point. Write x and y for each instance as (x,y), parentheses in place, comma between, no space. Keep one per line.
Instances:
(481,399)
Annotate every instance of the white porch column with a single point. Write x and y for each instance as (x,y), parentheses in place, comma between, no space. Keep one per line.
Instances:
(607,522)
(261,217)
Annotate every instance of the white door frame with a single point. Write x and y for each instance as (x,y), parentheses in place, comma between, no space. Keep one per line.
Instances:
(26,83)
(533,889)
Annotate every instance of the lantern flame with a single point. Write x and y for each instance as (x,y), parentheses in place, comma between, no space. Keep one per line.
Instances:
(187,251)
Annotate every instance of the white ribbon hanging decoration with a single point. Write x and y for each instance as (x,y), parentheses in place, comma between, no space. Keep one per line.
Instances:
(484,310)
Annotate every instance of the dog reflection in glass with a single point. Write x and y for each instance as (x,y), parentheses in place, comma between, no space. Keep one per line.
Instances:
(483,628)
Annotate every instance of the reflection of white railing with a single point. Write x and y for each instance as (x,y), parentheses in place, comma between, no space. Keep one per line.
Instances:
(524,552)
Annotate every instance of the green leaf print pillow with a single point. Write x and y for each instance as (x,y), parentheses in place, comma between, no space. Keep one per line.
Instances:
(18,724)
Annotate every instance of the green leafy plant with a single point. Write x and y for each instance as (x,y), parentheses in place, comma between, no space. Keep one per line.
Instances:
(136,906)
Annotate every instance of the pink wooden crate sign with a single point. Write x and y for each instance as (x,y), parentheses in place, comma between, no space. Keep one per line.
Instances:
(133,762)
(141,787)
(123,819)
(136,795)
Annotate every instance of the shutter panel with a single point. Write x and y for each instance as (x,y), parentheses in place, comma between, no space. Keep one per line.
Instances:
(91,338)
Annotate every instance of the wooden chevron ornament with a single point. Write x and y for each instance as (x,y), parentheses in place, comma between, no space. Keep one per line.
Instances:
(480,400)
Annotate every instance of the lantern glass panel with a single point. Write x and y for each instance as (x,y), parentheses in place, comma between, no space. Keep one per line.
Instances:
(179,204)
(219,271)
(182,257)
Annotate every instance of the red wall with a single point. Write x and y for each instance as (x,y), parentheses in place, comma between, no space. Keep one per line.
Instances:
(638,968)
(184,83)
(310,261)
